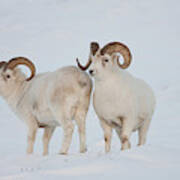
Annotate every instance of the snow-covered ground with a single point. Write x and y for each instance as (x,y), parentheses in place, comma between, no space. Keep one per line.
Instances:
(53,33)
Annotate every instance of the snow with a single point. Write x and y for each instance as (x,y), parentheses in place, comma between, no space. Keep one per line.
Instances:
(53,33)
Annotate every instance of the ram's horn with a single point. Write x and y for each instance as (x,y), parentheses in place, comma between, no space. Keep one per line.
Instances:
(94,46)
(117,47)
(22,61)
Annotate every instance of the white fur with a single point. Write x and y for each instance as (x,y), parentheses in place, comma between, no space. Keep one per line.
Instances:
(120,100)
(50,99)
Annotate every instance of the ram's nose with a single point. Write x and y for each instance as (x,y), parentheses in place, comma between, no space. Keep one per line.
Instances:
(91,72)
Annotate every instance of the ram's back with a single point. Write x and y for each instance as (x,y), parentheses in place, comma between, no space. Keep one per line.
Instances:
(67,83)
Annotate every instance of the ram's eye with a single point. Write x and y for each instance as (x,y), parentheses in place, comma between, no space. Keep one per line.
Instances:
(8,76)
(106,60)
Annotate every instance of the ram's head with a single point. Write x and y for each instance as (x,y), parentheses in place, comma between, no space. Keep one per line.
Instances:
(107,57)
(10,75)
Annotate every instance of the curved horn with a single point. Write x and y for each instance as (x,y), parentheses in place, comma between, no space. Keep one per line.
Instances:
(22,61)
(94,46)
(117,47)
(83,67)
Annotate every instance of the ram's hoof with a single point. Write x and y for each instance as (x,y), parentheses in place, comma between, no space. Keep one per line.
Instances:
(83,150)
(63,153)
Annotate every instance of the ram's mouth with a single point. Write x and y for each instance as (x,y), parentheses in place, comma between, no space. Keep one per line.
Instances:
(92,75)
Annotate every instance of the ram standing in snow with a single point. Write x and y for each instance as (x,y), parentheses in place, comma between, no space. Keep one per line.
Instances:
(120,100)
(47,100)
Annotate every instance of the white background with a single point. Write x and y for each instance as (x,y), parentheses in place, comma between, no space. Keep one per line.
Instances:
(52,33)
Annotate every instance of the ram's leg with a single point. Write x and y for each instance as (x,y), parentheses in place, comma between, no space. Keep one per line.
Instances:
(80,120)
(142,132)
(107,135)
(48,131)
(61,107)
(126,133)
(32,130)
(123,139)
(68,128)
(80,117)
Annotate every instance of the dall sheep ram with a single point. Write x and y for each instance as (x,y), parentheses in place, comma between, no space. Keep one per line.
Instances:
(47,100)
(120,100)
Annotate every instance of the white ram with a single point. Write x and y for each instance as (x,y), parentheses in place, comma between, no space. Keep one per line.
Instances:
(120,100)
(47,100)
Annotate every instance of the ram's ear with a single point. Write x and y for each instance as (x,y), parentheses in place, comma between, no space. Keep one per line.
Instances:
(94,47)
(2,64)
